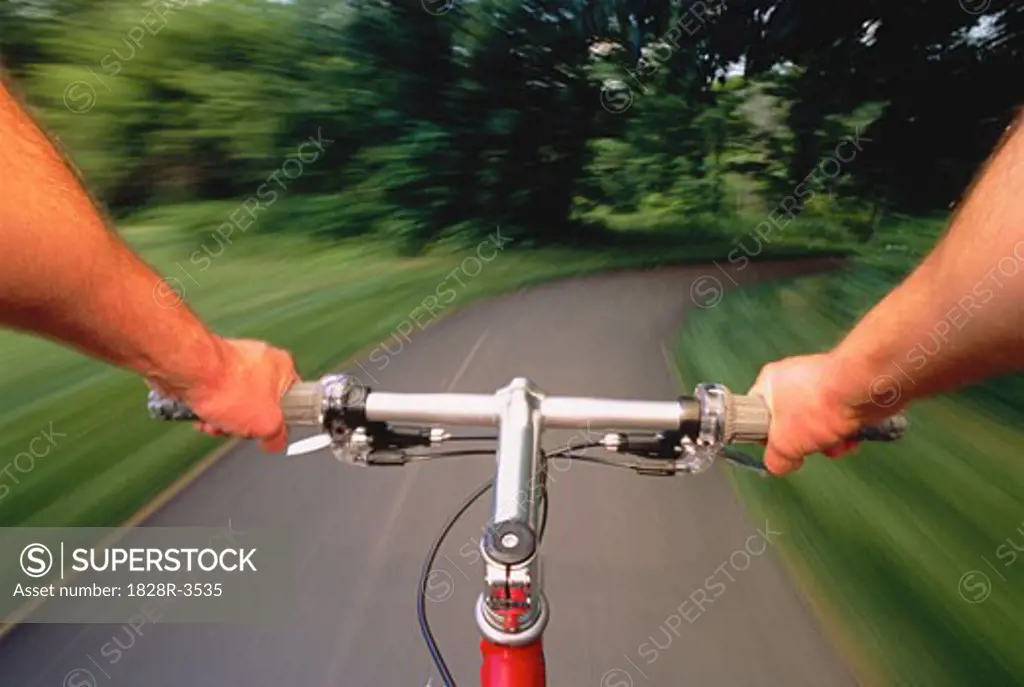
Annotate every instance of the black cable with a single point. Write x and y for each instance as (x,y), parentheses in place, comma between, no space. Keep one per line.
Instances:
(544,514)
(399,429)
(428,564)
(609,462)
(421,601)
(560,453)
(567,451)
(445,454)
(544,517)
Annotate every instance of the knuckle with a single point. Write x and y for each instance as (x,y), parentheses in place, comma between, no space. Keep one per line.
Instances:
(283,360)
(267,427)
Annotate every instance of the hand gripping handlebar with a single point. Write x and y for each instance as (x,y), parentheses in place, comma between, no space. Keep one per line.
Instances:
(713,416)
(511,611)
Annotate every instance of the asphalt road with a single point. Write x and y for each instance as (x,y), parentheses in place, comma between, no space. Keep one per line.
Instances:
(652,581)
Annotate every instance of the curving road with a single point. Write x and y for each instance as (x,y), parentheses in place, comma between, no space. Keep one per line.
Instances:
(652,581)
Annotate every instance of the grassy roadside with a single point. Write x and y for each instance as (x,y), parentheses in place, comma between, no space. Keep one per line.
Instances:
(907,546)
(76,445)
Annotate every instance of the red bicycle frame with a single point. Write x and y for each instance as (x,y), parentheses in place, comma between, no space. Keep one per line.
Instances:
(512,666)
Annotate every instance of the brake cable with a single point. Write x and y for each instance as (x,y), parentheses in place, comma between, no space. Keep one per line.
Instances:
(435,548)
(421,600)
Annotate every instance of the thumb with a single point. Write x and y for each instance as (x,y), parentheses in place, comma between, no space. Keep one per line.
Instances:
(778,464)
(276,442)
(156,386)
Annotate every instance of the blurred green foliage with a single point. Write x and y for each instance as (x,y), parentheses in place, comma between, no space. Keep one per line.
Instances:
(553,120)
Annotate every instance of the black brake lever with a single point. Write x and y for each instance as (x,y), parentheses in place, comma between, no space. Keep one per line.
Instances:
(389,446)
(376,443)
(387,438)
(663,445)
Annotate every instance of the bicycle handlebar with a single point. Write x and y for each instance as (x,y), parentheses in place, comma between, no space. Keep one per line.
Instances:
(714,414)
(512,611)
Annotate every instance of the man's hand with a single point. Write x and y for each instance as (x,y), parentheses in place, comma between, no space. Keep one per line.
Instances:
(807,415)
(243,397)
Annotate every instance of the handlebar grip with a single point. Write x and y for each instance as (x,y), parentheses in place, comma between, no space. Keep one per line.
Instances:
(164,408)
(747,420)
(889,429)
(302,404)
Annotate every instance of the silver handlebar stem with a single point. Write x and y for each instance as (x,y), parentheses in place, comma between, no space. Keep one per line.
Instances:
(519,469)
(512,609)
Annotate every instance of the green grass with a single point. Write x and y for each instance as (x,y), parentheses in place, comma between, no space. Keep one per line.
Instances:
(883,538)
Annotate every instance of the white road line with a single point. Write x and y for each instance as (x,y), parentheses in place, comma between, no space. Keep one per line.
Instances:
(467,360)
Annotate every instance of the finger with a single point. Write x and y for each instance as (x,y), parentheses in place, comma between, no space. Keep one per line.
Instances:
(276,443)
(155,386)
(841,449)
(767,372)
(778,464)
(760,384)
(289,379)
(207,428)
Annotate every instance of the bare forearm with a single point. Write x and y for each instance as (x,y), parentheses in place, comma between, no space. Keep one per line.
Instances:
(65,275)
(959,318)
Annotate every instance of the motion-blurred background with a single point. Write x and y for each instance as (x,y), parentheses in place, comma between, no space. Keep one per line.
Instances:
(306,171)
